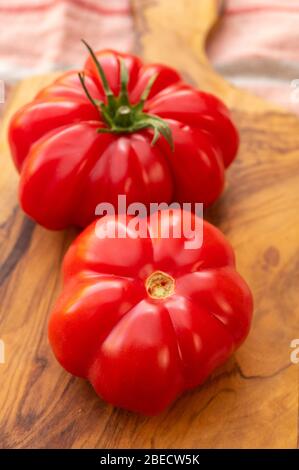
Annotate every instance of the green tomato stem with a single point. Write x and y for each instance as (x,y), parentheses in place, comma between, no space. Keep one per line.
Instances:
(119,114)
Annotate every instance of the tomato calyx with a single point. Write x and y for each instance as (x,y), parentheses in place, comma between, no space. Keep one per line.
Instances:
(118,113)
(159,285)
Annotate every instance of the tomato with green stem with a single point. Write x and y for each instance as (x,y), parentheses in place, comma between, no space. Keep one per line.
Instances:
(118,127)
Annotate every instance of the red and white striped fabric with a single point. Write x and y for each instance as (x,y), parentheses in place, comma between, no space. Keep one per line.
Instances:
(38,36)
(257,47)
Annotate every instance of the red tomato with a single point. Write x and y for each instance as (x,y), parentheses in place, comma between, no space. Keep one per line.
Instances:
(144,319)
(84,140)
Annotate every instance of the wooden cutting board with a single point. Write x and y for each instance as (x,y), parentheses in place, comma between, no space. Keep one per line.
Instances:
(253,400)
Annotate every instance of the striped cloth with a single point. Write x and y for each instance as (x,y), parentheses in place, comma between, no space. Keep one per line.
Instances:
(38,36)
(256,46)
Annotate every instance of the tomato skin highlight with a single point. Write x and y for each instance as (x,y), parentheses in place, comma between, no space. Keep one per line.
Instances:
(205,143)
(145,319)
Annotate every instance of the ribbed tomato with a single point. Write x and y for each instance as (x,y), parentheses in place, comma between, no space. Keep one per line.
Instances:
(146,318)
